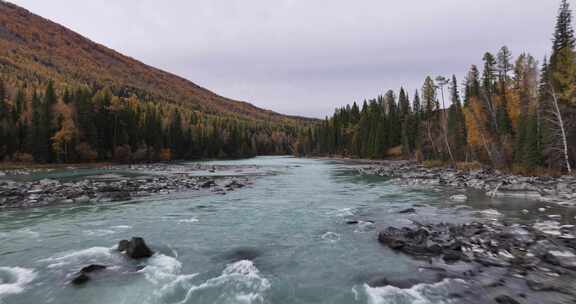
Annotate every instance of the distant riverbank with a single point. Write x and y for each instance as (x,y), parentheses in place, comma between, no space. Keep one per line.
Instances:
(495,183)
(47,185)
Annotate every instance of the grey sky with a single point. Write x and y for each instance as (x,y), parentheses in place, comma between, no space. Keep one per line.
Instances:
(306,57)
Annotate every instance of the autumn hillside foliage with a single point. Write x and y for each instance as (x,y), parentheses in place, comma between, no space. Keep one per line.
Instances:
(64,98)
(515,114)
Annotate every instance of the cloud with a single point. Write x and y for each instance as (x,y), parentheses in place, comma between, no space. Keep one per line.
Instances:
(306,57)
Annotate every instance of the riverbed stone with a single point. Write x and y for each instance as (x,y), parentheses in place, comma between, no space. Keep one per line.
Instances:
(504,299)
(92,268)
(136,248)
(408,210)
(80,279)
(82,199)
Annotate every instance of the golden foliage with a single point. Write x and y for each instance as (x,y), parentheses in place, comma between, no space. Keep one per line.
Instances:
(34,50)
(67,133)
(166,154)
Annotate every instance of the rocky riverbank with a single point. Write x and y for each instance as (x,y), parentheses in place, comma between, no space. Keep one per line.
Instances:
(497,260)
(113,184)
(510,263)
(561,190)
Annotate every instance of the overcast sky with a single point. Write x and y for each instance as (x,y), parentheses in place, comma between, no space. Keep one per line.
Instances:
(306,57)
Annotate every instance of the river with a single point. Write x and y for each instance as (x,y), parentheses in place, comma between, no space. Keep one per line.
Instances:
(284,239)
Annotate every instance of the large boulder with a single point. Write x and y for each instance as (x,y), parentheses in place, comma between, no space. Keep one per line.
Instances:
(136,248)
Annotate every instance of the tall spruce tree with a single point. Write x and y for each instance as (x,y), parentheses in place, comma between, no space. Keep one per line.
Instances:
(504,59)
(472,84)
(456,122)
(403,103)
(563,58)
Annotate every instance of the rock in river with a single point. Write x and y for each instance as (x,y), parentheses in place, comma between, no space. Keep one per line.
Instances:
(136,248)
(409,210)
(82,276)
(503,299)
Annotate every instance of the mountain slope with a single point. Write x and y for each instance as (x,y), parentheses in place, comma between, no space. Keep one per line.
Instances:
(33,48)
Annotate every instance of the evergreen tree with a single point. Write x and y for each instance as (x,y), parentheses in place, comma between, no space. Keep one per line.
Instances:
(4,127)
(563,59)
(177,141)
(503,118)
(472,84)
(504,67)
(403,103)
(429,100)
(417,107)
(38,139)
(394,120)
(47,119)
(489,75)
(456,122)
(4,111)
(564,33)
(532,152)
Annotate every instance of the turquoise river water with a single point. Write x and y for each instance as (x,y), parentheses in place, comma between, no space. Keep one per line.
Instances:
(283,239)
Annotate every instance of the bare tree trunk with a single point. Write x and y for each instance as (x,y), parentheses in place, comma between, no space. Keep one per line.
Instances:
(488,100)
(445,127)
(560,124)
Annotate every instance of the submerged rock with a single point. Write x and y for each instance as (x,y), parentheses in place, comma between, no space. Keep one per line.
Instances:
(242,253)
(208,184)
(82,276)
(503,299)
(92,268)
(409,210)
(80,279)
(561,258)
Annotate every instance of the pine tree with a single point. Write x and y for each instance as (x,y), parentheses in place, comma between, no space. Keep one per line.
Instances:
(472,84)
(564,33)
(503,118)
(177,135)
(21,124)
(456,122)
(416,106)
(429,100)
(532,157)
(504,67)
(394,120)
(4,111)
(489,75)
(563,59)
(39,146)
(47,119)
(403,103)
(429,118)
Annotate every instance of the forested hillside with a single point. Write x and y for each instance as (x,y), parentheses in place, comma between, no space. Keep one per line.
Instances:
(64,98)
(513,113)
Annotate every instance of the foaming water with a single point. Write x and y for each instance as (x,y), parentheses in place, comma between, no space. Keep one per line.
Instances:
(14,280)
(85,256)
(437,293)
(239,282)
(162,269)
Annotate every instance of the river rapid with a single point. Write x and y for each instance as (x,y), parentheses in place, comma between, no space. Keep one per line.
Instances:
(304,231)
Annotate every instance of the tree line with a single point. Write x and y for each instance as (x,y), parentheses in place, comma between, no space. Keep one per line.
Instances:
(514,113)
(47,124)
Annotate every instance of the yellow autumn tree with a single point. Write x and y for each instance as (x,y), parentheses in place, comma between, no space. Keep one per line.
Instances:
(64,138)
